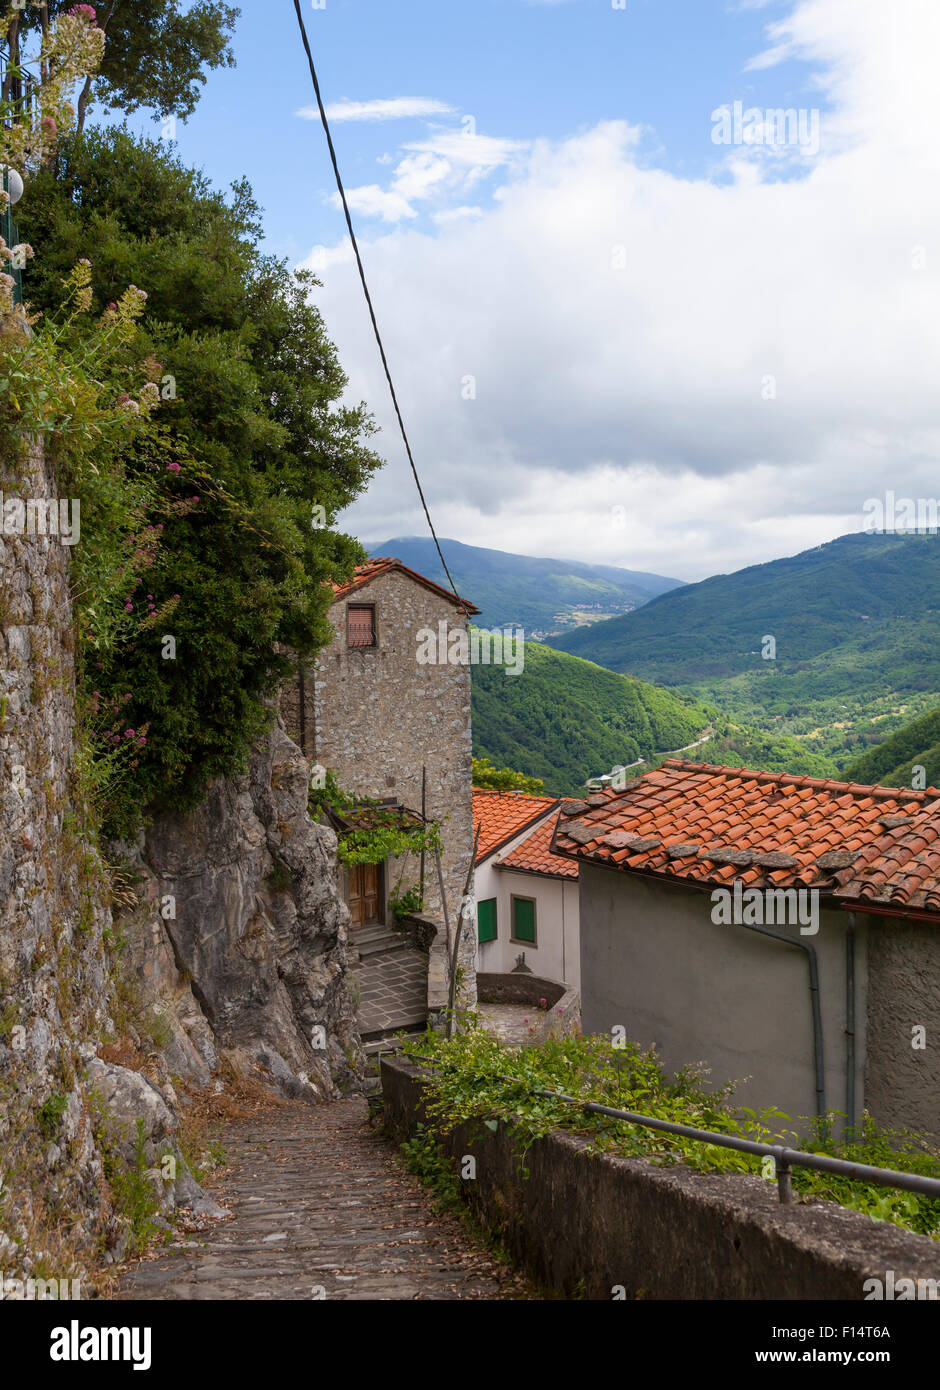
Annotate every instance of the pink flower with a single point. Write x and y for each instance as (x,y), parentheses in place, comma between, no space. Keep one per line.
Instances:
(87,10)
(172,468)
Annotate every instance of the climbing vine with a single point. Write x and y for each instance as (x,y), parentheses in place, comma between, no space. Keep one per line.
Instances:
(373,831)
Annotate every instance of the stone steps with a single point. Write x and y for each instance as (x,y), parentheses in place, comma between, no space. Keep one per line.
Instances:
(372,941)
(381,947)
(386,1041)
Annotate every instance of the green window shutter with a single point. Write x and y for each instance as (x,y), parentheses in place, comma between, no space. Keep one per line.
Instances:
(486,920)
(523,919)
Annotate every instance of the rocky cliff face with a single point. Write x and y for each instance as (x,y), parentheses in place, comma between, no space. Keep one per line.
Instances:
(243,939)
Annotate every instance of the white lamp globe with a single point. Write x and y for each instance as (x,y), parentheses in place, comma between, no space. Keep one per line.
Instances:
(14,183)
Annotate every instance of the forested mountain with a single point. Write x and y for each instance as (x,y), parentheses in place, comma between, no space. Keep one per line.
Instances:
(859,594)
(565,720)
(891,764)
(540,595)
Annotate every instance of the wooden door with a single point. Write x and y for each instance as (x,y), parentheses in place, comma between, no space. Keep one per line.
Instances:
(365,894)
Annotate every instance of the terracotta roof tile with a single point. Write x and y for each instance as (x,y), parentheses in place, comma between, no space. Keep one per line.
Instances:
(534,854)
(864,845)
(502,816)
(386,564)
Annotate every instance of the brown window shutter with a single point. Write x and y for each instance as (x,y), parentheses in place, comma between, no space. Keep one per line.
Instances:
(360,626)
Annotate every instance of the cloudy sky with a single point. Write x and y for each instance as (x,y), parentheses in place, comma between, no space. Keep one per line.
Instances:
(633,315)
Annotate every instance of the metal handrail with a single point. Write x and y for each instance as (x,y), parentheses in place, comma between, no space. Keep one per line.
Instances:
(785,1159)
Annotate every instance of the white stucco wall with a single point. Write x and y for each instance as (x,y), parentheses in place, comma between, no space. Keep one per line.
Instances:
(556,954)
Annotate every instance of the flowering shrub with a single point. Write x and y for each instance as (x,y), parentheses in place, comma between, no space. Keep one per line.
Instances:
(70,50)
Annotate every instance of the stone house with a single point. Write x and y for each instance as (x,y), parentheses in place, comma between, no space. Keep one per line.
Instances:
(526,896)
(783,930)
(393,726)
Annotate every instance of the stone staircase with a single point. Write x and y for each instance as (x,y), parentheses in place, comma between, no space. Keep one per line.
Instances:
(392,977)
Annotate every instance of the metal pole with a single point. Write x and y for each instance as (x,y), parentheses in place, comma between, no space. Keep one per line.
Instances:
(424,821)
(784,1181)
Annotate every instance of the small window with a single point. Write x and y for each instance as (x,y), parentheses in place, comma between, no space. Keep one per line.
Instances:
(486,920)
(523,920)
(360,625)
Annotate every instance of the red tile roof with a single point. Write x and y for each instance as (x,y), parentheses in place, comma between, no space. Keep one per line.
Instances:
(875,847)
(502,816)
(386,564)
(534,854)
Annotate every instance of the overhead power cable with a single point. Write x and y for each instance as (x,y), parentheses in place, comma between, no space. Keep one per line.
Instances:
(365,288)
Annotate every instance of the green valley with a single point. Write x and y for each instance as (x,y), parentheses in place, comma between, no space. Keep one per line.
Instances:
(565,720)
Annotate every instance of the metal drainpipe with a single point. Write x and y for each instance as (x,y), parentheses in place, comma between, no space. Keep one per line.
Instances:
(850,1023)
(814,1004)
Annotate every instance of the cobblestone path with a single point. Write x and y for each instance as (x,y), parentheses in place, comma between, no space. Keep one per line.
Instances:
(320,1209)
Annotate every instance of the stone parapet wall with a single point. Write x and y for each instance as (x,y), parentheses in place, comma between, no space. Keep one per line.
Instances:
(600,1226)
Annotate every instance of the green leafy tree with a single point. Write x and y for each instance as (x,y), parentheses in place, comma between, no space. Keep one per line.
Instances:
(155,55)
(487,776)
(266,453)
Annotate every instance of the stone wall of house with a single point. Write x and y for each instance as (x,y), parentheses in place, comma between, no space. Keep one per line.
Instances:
(380,715)
(297,705)
(902,1078)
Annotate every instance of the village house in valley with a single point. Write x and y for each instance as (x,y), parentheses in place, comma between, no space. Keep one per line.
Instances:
(526,896)
(783,930)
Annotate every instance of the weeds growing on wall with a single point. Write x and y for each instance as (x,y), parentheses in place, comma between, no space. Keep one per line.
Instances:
(478,1079)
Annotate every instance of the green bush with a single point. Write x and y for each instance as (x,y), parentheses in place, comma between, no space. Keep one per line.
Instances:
(476,1079)
(254,457)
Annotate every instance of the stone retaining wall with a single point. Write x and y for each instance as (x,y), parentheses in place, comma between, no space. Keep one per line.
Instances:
(602,1227)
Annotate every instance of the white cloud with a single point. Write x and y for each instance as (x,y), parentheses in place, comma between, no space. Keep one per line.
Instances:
(444,165)
(384,109)
(372,201)
(456,214)
(624,326)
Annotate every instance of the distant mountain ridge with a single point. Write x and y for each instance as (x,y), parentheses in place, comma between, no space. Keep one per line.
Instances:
(541,595)
(853,590)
